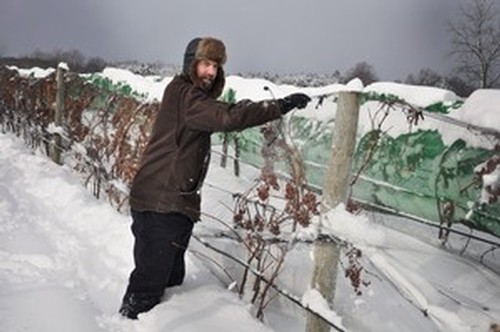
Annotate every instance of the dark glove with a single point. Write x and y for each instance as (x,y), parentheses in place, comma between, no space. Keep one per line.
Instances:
(295,100)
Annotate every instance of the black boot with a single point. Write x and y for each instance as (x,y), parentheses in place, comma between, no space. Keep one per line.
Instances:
(134,304)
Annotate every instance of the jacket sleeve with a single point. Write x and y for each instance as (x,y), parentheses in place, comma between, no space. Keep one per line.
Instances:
(204,113)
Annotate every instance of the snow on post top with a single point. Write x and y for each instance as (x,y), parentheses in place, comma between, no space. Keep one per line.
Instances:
(63,65)
(354,85)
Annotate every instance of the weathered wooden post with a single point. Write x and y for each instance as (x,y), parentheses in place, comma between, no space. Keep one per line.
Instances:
(56,146)
(335,190)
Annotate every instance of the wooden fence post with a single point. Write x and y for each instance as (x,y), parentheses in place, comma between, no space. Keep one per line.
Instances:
(56,145)
(335,190)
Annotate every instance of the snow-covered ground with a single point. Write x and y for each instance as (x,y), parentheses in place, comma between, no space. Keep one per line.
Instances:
(65,259)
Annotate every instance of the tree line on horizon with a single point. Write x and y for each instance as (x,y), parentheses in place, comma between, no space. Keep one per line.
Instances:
(74,58)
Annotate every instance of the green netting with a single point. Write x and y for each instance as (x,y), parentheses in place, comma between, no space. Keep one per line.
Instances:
(416,172)
(413,173)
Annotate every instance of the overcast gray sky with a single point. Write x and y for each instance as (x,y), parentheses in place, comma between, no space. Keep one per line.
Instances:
(397,37)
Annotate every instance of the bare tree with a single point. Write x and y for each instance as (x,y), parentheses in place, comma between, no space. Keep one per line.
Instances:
(475,39)
(74,58)
(95,64)
(363,71)
(453,82)
(426,77)
(459,86)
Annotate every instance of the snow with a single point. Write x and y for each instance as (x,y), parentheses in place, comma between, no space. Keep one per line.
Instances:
(65,256)
(313,299)
(63,65)
(53,129)
(354,85)
(482,108)
(360,231)
(35,71)
(152,86)
(421,96)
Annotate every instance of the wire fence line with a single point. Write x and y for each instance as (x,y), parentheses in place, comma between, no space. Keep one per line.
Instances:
(371,206)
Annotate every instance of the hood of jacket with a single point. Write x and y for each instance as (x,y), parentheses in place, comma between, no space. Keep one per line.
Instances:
(205,48)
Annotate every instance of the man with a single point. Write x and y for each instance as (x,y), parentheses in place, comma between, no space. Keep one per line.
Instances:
(165,194)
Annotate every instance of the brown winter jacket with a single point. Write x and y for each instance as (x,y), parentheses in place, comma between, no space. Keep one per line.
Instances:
(175,162)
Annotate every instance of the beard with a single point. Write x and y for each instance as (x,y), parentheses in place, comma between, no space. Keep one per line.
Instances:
(206,82)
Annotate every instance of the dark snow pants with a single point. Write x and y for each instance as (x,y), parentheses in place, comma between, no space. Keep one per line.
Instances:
(161,240)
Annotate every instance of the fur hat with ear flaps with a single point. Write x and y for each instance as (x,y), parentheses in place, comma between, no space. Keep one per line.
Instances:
(206,48)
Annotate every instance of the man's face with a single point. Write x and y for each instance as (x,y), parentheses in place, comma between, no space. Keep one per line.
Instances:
(206,70)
